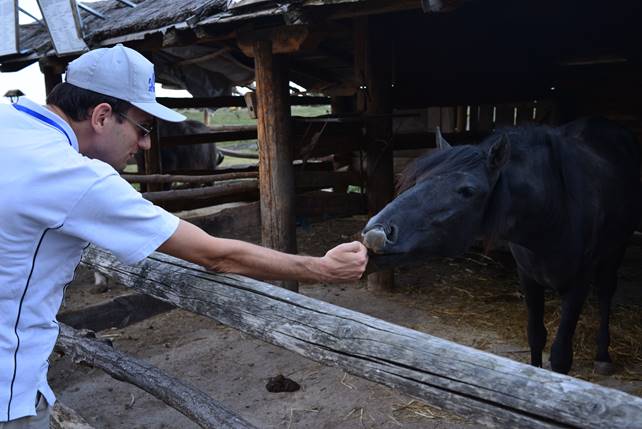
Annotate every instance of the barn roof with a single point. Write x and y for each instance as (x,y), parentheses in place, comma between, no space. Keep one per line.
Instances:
(181,62)
(479,51)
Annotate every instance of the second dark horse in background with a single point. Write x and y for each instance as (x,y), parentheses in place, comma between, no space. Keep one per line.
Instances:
(565,199)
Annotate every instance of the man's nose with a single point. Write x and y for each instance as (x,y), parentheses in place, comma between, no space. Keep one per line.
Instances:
(145,143)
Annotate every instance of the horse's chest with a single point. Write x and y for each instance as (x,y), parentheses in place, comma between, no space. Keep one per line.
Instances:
(555,269)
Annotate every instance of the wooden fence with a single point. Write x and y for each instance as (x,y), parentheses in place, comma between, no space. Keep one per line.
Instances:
(491,390)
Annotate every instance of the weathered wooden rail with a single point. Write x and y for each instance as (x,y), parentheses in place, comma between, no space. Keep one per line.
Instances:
(190,401)
(492,390)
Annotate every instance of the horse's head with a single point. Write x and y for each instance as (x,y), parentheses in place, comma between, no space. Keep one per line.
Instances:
(440,207)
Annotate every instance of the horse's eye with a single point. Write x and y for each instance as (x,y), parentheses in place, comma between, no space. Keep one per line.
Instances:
(466,191)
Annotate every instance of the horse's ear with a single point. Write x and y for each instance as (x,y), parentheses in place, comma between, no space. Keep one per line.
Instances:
(441,141)
(499,154)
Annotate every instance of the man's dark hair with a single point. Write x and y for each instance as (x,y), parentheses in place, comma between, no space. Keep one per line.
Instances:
(76,102)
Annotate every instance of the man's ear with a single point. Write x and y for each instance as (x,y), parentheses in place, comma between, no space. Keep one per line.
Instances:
(100,114)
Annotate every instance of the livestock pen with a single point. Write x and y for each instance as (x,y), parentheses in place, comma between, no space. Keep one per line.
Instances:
(392,72)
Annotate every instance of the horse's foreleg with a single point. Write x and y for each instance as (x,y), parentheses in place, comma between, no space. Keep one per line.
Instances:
(536,330)
(562,348)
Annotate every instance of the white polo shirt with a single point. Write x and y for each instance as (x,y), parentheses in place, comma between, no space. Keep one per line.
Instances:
(53,202)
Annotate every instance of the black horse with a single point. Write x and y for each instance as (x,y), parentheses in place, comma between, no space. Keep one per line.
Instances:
(566,200)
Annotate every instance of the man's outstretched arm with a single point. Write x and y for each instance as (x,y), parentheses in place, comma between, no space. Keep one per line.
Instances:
(345,262)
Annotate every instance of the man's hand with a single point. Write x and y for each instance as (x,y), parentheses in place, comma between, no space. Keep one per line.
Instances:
(345,263)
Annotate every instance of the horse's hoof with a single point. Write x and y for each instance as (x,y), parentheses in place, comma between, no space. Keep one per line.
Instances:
(604,368)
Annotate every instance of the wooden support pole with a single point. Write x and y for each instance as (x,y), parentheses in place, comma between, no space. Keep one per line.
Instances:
(492,390)
(190,401)
(380,176)
(276,176)
(52,78)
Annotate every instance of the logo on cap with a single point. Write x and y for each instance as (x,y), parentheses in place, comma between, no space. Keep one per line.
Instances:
(151,83)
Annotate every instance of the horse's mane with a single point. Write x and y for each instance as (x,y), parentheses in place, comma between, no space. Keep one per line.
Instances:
(459,157)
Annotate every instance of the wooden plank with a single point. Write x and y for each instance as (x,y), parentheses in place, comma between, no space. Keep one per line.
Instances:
(232,220)
(489,389)
(284,40)
(188,400)
(485,117)
(380,166)
(222,189)
(545,112)
(473,119)
(168,178)
(325,179)
(504,115)
(234,101)
(434,118)
(250,102)
(52,78)
(524,113)
(448,119)
(276,176)
(460,124)
(242,133)
(427,140)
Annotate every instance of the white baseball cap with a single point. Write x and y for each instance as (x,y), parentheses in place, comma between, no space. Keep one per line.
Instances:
(122,73)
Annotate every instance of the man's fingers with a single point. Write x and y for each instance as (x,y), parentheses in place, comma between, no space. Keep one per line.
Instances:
(353,246)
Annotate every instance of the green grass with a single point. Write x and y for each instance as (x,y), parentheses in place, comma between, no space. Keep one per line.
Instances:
(240,116)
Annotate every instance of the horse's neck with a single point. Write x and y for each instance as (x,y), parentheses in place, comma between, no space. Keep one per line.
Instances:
(522,212)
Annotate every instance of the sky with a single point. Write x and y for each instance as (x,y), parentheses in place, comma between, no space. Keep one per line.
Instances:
(32,82)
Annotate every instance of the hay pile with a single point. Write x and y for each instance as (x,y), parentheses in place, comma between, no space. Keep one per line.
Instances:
(479,293)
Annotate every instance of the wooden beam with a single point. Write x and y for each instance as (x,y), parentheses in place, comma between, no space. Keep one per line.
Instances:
(243,133)
(234,101)
(276,176)
(168,178)
(207,57)
(492,390)
(250,102)
(52,78)
(380,173)
(283,40)
(222,189)
(188,400)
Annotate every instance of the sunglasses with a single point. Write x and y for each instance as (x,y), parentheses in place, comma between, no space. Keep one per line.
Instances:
(144,131)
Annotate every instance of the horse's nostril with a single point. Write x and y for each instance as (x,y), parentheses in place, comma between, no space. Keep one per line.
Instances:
(392,233)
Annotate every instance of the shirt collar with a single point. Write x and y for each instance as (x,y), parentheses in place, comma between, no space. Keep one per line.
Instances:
(23,101)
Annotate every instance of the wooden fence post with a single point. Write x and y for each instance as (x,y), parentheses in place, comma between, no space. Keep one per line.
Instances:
(276,176)
(380,180)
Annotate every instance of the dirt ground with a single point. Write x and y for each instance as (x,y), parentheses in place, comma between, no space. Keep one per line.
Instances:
(473,300)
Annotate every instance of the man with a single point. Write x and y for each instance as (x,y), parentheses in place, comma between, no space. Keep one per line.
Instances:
(59,191)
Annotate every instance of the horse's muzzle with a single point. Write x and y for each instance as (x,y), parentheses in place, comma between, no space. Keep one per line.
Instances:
(378,237)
